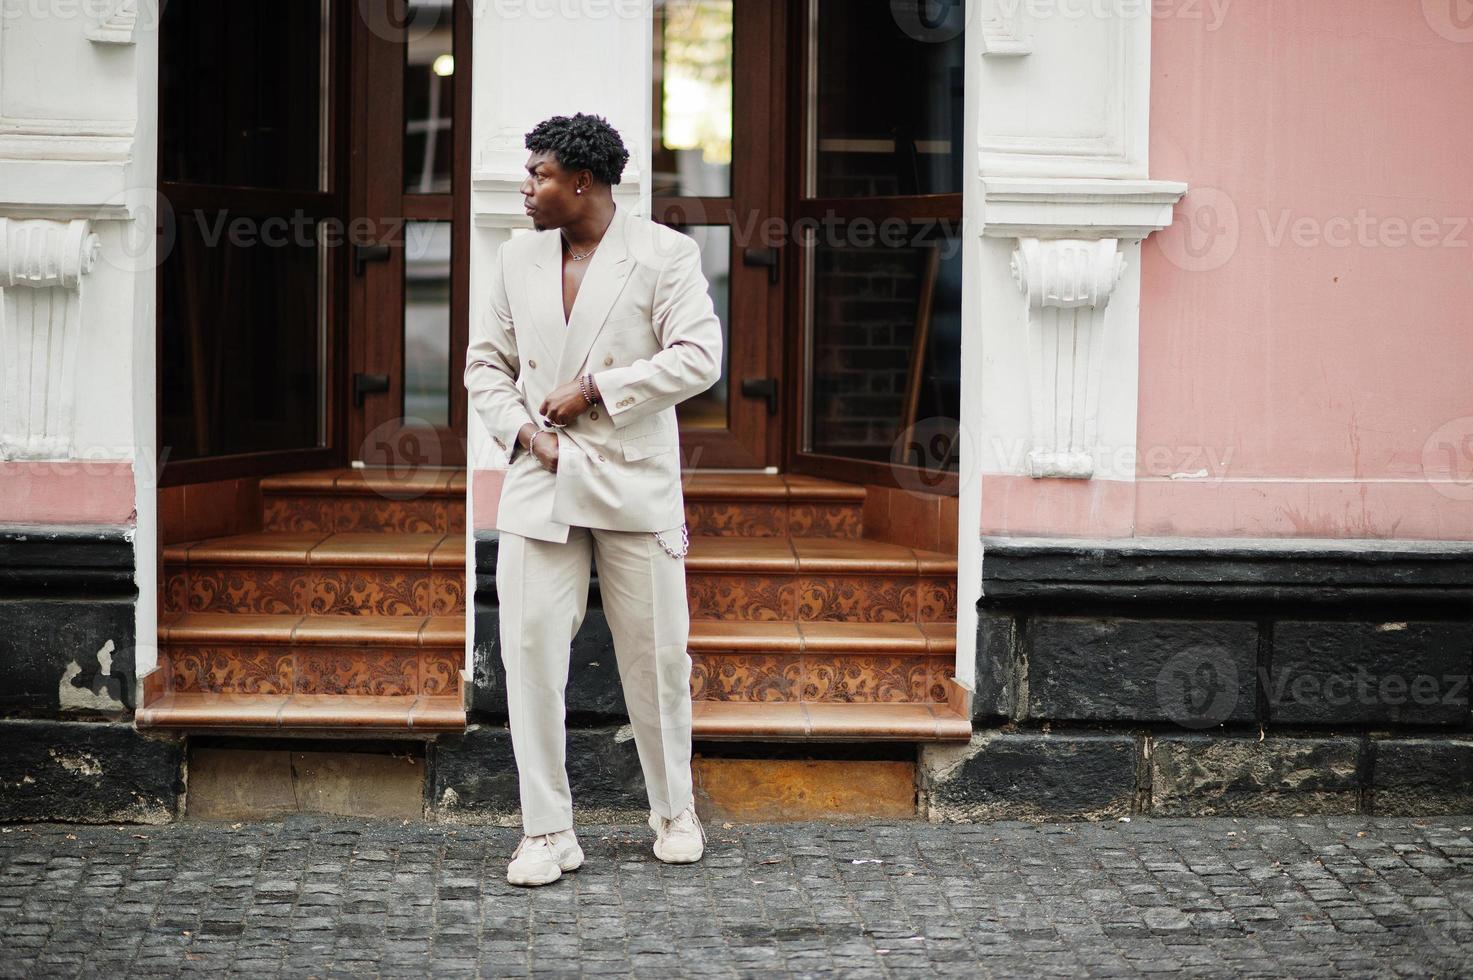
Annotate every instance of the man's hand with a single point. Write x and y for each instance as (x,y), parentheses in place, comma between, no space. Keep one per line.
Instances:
(564,403)
(543,450)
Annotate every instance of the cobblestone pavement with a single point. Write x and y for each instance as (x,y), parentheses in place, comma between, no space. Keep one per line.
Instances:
(1305,897)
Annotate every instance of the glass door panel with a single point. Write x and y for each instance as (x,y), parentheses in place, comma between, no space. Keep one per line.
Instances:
(880,286)
(246,279)
(718,67)
(409,296)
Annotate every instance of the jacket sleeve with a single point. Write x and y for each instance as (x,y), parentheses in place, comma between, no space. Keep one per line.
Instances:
(492,365)
(690,358)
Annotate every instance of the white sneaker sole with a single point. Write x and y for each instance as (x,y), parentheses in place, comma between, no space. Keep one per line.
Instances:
(678,856)
(572,862)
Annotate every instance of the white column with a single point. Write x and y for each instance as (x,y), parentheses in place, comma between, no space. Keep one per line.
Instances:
(42,264)
(1057,204)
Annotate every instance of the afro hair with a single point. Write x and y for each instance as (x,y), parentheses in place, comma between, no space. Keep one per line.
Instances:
(582,142)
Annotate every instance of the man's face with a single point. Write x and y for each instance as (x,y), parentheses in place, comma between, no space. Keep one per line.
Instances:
(549,192)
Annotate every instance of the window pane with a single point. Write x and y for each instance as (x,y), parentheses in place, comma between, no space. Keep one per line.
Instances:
(427,321)
(692,111)
(888,105)
(241,318)
(876,309)
(241,91)
(708,409)
(429,90)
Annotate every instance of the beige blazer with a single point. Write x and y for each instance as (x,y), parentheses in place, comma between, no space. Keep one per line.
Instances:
(644,324)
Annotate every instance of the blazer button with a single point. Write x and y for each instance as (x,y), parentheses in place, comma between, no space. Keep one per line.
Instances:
(593,414)
(608,359)
(531,364)
(601,457)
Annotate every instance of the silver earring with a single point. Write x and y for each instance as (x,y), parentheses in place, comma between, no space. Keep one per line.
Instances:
(580,190)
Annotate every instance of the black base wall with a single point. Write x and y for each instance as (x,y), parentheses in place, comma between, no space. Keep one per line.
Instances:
(67,634)
(1181,677)
(87,772)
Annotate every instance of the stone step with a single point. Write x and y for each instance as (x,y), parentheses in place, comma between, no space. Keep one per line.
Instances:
(818,578)
(204,711)
(730,504)
(821,662)
(374,500)
(351,573)
(742,721)
(241,670)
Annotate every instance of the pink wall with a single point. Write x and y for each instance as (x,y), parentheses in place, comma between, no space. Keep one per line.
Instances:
(1306,322)
(76,492)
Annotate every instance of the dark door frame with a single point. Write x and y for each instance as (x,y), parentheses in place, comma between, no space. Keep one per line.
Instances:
(178,199)
(375,323)
(796,206)
(753,437)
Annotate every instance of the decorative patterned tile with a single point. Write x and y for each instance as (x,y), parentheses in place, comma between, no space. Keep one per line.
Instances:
(745,677)
(439,671)
(353,671)
(936,600)
(263,589)
(736,519)
(856,598)
(865,679)
(298,514)
(727,596)
(237,670)
(826,520)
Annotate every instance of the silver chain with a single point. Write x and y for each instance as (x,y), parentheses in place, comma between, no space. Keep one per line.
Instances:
(684,542)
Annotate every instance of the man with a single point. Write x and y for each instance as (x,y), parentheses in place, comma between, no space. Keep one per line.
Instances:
(602,321)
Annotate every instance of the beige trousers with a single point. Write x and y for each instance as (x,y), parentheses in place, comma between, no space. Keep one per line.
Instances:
(542,587)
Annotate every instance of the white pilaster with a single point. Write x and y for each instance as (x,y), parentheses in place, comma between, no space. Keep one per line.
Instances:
(1058,104)
(42,265)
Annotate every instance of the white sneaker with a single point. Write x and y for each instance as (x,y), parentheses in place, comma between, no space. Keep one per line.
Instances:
(542,859)
(679,841)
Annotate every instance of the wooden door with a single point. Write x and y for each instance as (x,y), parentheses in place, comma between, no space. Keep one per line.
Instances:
(409,247)
(718,70)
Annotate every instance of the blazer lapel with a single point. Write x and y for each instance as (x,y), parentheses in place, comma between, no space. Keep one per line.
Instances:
(547,295)
(608,270)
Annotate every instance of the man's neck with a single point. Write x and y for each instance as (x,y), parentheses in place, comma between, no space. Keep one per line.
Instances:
(587,231)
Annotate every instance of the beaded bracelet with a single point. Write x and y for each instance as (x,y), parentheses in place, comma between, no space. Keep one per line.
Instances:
(585,388)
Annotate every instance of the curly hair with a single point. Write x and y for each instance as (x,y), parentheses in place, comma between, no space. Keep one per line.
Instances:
(582,142)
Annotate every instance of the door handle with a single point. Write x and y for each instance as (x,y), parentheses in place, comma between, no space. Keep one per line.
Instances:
(364,254)
(762,388)
(368,384)
(762,257)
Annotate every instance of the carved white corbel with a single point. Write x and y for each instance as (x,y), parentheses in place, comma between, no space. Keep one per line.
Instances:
(1068,283)
(42,265)
(119,25)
